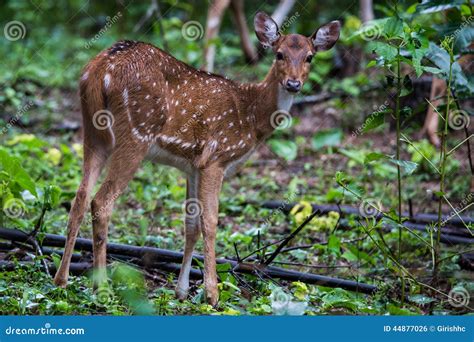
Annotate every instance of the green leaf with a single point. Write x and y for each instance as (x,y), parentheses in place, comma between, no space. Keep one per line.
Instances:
(334,243)
(396,310)
(432,70)
(441,59)
(12,167)
(384,50)
(353,254)
(339,298)
(284,148)
(330,137)
(393,27)
(421,299)
(52,194)
(407,167)
(341,177)
(416,56)
(432,6)
(371,64)
(463,38)
(374,120)
(373,156)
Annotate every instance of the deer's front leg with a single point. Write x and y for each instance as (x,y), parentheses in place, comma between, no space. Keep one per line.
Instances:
(193,210)
(210,183)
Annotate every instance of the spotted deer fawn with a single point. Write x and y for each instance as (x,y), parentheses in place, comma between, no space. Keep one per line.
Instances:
(159,108)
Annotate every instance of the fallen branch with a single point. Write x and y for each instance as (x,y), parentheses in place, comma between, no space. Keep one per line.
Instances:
(150,257)
(345,209)
(446,237)
(289,238)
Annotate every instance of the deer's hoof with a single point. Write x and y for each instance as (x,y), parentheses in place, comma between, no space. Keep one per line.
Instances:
(60,281)
(212,299)
(181,293)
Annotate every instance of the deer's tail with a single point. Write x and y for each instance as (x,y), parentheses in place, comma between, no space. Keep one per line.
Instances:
(97,119)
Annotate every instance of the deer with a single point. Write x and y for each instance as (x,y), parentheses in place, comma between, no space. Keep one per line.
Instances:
(160,109)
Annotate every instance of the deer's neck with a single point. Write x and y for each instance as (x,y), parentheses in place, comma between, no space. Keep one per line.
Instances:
(264,99)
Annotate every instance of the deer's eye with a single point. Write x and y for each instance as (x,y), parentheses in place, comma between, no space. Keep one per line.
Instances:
(309,58)
(279,56)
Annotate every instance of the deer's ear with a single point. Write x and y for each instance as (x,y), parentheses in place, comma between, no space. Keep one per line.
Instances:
(326,36)
(266,29)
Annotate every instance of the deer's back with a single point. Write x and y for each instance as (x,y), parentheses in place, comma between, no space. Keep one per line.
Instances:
(181,112)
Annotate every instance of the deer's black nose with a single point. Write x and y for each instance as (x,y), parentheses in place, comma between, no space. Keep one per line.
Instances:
(293,86)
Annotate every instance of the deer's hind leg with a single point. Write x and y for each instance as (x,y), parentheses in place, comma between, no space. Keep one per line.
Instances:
(94,162)
(124,162)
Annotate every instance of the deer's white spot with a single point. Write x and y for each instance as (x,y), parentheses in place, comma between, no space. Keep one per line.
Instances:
(213,145)
(107,78)
(125,96)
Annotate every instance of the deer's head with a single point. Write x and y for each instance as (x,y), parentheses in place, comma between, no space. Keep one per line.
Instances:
(294,52)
